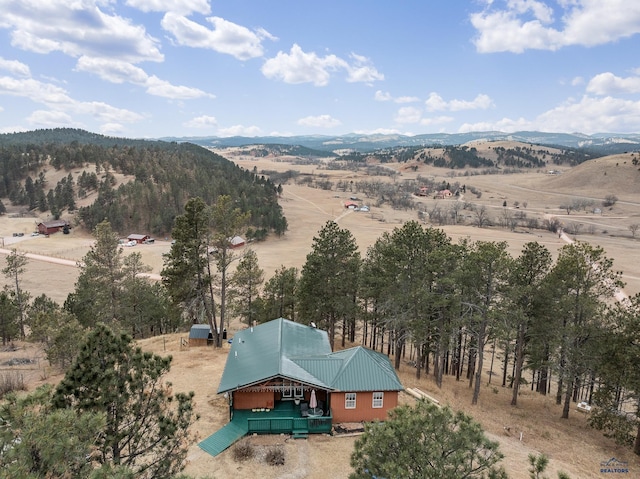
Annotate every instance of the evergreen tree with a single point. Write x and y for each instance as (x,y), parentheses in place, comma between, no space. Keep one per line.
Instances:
(187,272)
(227,221)
(14,270)
(425,441)
(527,301)
(329,280)
(9,324)
(146,427)
(37,441)
(98,292)
(279,295)
(617,398)
(483,278)
(244,288)
(583,281)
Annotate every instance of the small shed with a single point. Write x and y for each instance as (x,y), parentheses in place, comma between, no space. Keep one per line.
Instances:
(50,227)
(237,241)
(200,335)
(138,238)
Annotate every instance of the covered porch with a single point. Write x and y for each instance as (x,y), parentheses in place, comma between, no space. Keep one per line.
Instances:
(286,417)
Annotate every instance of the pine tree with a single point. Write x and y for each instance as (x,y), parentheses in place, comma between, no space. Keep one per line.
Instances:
(425,441)
(244,288)
(146,427)
(329,279)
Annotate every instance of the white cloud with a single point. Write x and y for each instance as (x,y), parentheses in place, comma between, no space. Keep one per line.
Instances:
(408,114)
(204,121)
(60,104)
(382,96)
(380,131)
(362,70)
(608,83)
(75,29)
(298,66)
(386,96)
(225,37)
(591,115)
(178,6)
(240,130)
(117,71)
(50,118)
(587,115)
(519,25)
(112,70)
(15,67)
(36,91)
(321,121)
(112,128)
(156,86)
(436,103)
(577,81)
(436,120)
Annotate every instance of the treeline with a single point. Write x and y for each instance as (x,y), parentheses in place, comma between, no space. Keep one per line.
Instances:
(461,156)
(163,177)
(443,307)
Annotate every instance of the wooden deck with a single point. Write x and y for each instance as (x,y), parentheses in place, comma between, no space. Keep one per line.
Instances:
(284,418)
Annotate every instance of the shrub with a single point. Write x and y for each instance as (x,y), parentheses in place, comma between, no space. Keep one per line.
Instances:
(243,451)
(275,456)
(11,381)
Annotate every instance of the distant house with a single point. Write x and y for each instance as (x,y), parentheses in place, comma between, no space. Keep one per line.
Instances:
(200,335)
(352,205)
(237,241)
(442,194)
(138,238)
(50,227)
(423,191)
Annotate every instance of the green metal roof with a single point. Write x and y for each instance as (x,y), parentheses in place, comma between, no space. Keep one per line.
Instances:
(282,348)
(264,351)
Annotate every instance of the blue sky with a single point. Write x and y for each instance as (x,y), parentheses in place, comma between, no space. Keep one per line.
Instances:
(153,68)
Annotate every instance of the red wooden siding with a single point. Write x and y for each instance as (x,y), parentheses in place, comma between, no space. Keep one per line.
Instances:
(364,410)
(251,400)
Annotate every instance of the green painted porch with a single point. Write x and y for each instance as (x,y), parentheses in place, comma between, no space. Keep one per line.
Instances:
(285,418)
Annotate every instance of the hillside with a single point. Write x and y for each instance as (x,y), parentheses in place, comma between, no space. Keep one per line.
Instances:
(137,185)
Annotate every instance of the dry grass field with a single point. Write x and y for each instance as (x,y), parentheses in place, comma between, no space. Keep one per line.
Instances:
(534,426)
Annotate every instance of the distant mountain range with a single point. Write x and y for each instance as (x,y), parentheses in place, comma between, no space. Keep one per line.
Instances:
(603,143)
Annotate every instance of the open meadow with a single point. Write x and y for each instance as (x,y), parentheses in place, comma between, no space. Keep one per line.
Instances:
(534,426)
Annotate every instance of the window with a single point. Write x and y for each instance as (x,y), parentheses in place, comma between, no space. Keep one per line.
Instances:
(350,400)
(298,392)
(378,400)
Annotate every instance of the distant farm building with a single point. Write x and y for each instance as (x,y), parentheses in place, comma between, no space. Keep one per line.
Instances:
(423,191)
(138,238)
(237,241)
(50,227)
(200,335)
(352,205)
(442,194)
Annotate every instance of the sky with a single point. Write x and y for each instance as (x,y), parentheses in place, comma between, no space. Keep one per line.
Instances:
(193,68)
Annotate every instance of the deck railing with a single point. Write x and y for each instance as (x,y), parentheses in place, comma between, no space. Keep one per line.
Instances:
(287,425)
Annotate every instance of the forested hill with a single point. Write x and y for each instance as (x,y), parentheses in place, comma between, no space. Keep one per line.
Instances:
(159,177)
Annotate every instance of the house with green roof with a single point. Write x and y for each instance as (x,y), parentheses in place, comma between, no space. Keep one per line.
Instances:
(283,377)
(282,361)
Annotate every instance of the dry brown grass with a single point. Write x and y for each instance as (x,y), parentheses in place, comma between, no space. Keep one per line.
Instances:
(571,445)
